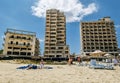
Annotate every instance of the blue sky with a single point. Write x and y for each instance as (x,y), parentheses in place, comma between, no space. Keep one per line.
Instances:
(30,15)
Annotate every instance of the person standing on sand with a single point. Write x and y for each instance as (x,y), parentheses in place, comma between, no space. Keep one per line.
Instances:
(78,59)
(70,61)
(41,64)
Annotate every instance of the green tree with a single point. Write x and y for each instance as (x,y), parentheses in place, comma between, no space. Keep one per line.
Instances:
(73,55)
(1,51)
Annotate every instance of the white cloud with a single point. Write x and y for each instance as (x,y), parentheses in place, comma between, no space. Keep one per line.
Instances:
(73,9)
(117,26)
(41,40)
(2,37)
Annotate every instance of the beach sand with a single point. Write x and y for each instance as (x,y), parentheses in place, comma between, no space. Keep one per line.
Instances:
(59,74)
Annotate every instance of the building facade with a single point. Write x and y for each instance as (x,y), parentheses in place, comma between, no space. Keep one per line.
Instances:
(19,42)
(119,51)
(37,47)
(55,35)
(98,35)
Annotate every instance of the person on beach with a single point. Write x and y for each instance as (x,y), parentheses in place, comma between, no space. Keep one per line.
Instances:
(41,64)
(115,61)
(78,59)
(70,61)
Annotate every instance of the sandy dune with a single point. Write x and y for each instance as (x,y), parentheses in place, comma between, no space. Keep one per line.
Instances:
(59,74)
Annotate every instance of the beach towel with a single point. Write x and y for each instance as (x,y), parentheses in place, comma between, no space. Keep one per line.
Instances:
(30,66)
(47,67)
(23,67)
(34,67)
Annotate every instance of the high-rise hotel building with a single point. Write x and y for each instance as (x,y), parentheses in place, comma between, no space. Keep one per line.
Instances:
(98,35)
(55,35)
(20,43)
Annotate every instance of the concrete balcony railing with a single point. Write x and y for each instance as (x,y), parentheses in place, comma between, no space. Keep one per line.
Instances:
(25,51)
(20,45)
(16,50)
(9,49)
(20,38)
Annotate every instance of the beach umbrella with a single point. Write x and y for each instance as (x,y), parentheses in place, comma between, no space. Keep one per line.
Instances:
(85,57)
(109,57)
(97,53)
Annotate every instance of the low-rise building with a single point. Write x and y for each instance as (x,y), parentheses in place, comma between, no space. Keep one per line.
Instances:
(20,43)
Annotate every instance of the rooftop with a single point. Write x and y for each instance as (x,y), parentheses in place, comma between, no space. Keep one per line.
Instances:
(21,31)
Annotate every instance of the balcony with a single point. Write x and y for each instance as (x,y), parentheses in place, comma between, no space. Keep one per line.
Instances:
(17,50)
(21,38)
(10,50)
(11,37)
(19,45)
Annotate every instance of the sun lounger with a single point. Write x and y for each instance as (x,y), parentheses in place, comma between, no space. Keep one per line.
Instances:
(100,66)
(97,66)
(94,65)
(109,67)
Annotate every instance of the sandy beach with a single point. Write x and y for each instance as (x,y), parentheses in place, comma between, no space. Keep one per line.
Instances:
(59,74)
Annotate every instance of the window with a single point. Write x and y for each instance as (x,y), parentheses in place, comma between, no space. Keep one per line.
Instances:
(29,48)
(16,48)
(66,51)
(28,44)
(11,36)
(23,37)
(29,38)
(60,47)
(16,43)
(24,43)
(11,42)
(52,47)
(9,47)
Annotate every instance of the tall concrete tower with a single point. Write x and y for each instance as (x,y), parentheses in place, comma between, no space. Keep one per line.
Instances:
(55,35)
